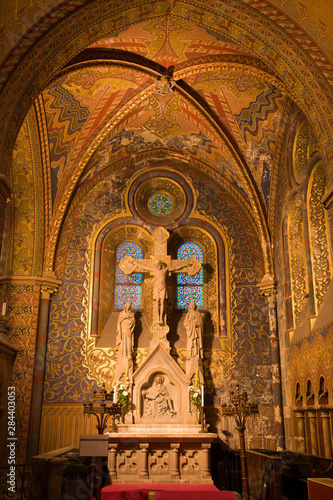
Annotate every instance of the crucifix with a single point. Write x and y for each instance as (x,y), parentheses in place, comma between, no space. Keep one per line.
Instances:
(160,265)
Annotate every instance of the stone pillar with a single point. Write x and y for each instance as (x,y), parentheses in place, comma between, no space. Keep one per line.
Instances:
(7,357)
(175,459)
(312,415)
(48,288)
(301,445)
(113,460)
(325,418)
(143,472)
(268,288)
(205,459)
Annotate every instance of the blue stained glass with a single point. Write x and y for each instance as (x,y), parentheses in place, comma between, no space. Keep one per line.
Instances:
(128,286)
(134,250)
(131,293)
(185,251)
(160,204)
(187,294)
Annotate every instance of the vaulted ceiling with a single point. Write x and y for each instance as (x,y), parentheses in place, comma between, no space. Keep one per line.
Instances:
(210,85)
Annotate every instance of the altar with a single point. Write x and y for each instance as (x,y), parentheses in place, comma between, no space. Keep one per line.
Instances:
(160,457)
(161,435)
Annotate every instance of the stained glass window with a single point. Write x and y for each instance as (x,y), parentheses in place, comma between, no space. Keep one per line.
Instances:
(190,288)
(160,204)
(128,286)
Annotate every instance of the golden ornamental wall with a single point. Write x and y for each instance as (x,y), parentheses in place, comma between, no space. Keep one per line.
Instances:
(76,363)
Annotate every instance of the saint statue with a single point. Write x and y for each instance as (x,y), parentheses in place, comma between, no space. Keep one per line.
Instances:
(194,327)
(125,328)
(157,401)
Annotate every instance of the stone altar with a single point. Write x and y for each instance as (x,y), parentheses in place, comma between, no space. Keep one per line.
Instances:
(161,437)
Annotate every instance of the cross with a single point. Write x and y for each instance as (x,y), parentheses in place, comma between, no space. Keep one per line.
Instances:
(160,265)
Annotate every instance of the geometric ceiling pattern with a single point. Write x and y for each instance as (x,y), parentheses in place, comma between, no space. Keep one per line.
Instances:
(249,107)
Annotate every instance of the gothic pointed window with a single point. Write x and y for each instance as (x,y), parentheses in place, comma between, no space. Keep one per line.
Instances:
(190,288)
(128,288)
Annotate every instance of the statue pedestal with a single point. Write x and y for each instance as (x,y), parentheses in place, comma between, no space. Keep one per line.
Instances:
(180,454)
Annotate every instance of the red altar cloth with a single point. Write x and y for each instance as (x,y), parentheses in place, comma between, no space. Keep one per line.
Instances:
(165,492)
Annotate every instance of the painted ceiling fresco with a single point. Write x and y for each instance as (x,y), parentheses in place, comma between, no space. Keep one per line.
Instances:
(220,110)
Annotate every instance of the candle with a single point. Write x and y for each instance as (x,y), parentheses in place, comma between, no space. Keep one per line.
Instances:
(202,395)
(115,394)
(4,307)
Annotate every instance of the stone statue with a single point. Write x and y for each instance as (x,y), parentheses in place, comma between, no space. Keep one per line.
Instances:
(157,401)
(160,270)
(194,327)
(125,328)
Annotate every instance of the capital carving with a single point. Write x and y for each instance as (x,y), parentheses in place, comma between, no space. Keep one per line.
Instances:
(50,285)
(48,290)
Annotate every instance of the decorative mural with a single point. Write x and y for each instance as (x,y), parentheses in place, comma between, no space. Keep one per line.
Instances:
(24,225)
(246,120)
(74,362)
(304,357)
(320,238)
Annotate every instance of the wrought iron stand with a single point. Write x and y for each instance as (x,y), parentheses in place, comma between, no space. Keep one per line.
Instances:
(240,410)
(102,411)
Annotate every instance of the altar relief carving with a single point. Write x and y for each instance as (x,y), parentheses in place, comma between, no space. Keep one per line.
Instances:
(157,401)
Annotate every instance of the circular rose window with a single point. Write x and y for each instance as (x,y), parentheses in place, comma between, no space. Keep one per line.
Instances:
(160,204)
(160,200)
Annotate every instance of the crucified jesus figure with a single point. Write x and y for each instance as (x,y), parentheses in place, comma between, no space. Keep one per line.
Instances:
(160,270)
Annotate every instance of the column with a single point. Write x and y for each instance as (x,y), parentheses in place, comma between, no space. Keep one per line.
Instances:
(143,472)
(313,432)
(47,290)
(113,460)
(325,418)
(205,459)
(301,448)
(175,459)
(268,289)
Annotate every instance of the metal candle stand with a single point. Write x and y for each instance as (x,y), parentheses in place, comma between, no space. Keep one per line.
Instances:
(103,411)
(240,410)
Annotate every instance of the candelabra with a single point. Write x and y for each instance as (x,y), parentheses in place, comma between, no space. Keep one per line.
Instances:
(240,410)
(103,411)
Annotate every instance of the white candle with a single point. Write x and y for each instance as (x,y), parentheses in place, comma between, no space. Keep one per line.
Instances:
(202,395)
(4,307)
(115,394)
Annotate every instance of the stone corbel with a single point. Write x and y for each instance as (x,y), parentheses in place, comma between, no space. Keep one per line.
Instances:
(267,287)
